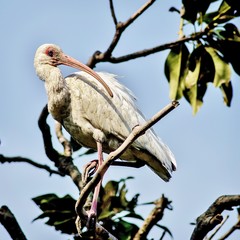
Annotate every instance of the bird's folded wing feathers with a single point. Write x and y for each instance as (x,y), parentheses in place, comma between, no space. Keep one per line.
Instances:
(118,115)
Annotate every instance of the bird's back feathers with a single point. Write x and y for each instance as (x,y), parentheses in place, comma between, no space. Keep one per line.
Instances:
(115,118)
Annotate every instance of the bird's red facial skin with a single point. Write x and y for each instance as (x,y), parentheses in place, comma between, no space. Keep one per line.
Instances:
(50,52)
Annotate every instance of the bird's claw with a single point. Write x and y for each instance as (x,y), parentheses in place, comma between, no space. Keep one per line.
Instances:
(91,221)
(89,169)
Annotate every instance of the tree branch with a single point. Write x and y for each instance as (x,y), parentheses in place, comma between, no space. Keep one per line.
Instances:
(10,223)
(136,132)
(155,216)
(63,163)
(120,27)
(4,159)
(236,226)
(212,217)
(64,141)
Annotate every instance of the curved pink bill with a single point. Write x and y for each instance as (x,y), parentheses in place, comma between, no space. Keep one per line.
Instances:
(71,62)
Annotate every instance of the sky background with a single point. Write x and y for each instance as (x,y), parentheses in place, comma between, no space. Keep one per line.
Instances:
(206,146)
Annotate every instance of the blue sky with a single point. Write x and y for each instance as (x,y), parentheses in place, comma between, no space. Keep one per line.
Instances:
(206,146)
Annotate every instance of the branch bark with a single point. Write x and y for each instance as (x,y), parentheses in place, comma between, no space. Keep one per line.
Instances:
(10,223)
(236,226)
(212,217)
(136,132)
(64,163)
(4,159)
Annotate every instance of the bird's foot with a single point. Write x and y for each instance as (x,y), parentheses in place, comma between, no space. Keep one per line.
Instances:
(89,169)
(91,221)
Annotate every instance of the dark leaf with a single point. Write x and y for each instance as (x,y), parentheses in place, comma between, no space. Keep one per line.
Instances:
(227,92)
(114,199)
(231,51)
(133,215)
(194,7)
(222,68)
(175,70)
(200,72)
(230,7)
(59,211)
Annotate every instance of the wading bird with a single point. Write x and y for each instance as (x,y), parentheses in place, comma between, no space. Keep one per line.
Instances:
(98,112)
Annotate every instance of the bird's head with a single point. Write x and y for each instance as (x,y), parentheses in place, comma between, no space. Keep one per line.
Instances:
(50,55)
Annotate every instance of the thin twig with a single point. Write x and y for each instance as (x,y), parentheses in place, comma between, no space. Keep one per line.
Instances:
(139,12)
(10,223)
(113,12)
(136,132)
(4,159)
(120,27)
(148,51)
(218,228)
(236,226)
(212,217)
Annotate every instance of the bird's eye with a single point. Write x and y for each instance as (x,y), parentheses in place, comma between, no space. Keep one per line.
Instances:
(50,53)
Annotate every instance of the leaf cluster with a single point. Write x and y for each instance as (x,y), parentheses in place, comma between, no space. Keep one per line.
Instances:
(190,68)
(116,212)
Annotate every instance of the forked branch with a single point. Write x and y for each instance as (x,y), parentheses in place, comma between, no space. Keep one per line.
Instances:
(212,217)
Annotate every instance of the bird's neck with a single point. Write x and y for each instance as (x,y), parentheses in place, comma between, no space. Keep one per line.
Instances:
(58,94)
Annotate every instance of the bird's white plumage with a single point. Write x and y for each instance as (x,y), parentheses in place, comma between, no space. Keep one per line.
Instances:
(114,118)
(90,114)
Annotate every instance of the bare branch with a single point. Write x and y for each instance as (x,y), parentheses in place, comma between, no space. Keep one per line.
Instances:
(139,12)
(218,228)
(148,51)
(136,132)
(4,159)
(10,223)
(156,215)
(61,138)
(233,228)
(52,154)
(212,217)
(120,27)
(63,163)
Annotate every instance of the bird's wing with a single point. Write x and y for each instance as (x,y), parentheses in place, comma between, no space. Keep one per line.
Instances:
(117,117)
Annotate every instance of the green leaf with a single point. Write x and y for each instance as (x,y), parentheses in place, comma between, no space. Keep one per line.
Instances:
(194,68)
(222,68)
(175,70)
(200,72)
(224,7)
(114,199)
(192,96)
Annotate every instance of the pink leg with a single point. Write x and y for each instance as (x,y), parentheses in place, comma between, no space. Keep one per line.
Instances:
(93,211)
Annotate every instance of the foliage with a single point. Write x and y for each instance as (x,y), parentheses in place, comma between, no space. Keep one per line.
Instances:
(189,68)
(116,212)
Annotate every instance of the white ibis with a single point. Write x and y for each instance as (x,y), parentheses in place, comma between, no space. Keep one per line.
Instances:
(98,112)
